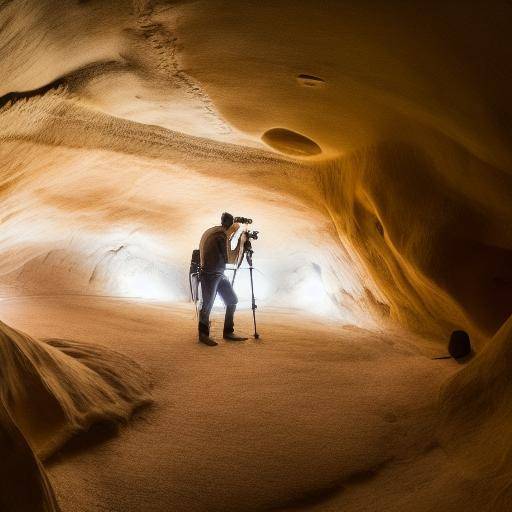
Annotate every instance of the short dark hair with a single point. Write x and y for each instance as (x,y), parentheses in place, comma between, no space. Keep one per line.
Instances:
(226,219)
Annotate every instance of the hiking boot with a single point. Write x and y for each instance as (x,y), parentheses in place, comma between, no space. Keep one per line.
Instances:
(204,338)
(231,336)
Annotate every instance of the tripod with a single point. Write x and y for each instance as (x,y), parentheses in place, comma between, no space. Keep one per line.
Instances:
(248,255)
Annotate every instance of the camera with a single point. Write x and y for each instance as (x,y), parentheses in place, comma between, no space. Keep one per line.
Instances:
(252,235)
(242,220)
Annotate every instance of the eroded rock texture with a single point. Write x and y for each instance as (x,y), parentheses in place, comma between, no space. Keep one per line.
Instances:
(49,392)
(389,123)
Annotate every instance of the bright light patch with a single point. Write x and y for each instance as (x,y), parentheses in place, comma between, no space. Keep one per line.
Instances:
(302,289)
(311,295)
(144,286)
(242,288)
(133,267)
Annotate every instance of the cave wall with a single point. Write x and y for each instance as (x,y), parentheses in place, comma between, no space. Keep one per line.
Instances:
(439,251)
(371,140)
(388,122)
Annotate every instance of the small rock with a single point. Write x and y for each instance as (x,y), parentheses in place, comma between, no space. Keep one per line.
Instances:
(460,345)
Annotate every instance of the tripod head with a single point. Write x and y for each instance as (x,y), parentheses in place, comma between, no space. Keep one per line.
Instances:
(248,251)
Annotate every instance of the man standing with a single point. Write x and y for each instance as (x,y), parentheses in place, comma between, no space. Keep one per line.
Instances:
(215,253)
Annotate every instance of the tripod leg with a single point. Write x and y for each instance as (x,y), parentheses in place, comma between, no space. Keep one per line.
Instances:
(192,297)
(256,335)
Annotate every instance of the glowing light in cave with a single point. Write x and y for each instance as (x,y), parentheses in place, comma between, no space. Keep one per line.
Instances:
(311,295)
(243,287)
(144,286)
(303,290)
(134,265)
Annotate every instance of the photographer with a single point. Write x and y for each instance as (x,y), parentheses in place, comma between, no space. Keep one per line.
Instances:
(215,252)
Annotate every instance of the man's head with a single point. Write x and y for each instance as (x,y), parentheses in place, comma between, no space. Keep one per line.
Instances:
(226,220)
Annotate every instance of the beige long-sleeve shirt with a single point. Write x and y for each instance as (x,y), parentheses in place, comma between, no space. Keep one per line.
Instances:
(215,248)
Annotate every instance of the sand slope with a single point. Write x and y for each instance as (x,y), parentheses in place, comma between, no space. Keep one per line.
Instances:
(321,416)
(476,414)
(50,391)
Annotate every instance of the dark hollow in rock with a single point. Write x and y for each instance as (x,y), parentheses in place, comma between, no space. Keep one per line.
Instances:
(379,227)
(310,80)
(290,142)
(460,345)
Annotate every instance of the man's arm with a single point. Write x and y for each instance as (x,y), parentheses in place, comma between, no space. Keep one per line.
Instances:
(235,255)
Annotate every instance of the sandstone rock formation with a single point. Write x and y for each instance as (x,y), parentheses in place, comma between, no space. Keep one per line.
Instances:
(49,392)
(371,142)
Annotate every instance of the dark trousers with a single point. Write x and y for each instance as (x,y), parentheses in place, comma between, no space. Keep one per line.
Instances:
(211,284)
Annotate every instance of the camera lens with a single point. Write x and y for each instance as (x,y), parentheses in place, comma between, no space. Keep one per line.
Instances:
(243,220)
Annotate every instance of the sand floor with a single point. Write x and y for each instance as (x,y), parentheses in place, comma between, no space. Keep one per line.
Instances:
(315,415)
